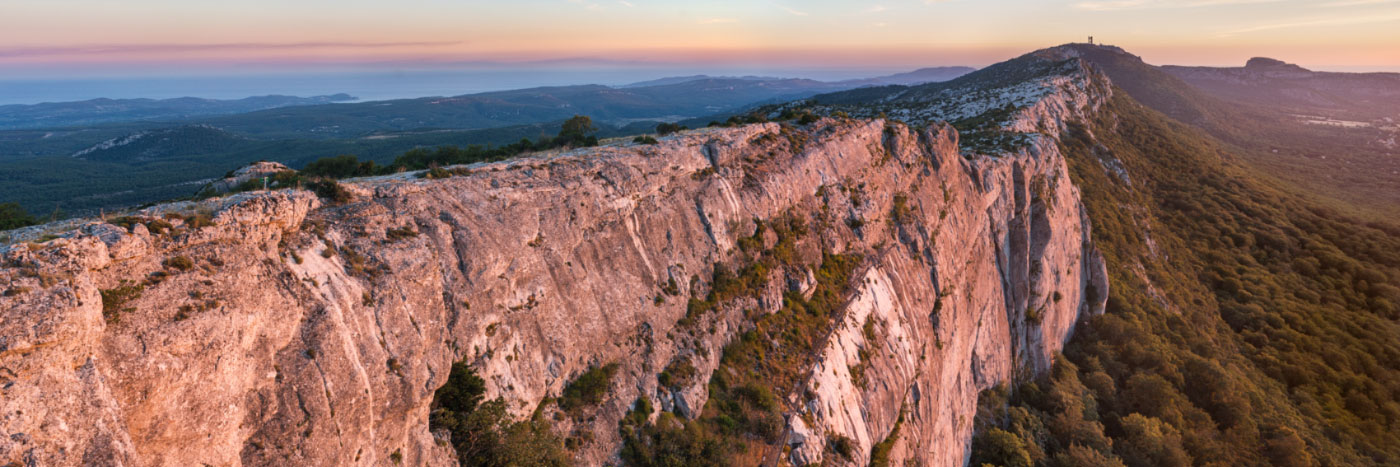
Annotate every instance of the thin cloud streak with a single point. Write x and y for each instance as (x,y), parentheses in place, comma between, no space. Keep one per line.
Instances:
(1370,19)
(794,12)
(165,48)
(1117,5)
(1347,3)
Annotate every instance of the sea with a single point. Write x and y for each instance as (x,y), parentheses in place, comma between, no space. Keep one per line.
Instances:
(370,85)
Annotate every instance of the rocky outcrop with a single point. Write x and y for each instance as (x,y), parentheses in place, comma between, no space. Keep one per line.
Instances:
(255,171)
(1269,64)
(269,328)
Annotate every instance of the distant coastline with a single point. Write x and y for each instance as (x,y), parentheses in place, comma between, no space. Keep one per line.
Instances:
(374,85)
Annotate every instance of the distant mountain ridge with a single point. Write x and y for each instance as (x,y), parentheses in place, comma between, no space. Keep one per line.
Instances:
(665,99)
(103,110)
(1266,81)
(1332,134)
(919,76)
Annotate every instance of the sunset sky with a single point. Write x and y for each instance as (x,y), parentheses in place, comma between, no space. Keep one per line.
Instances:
(41,38)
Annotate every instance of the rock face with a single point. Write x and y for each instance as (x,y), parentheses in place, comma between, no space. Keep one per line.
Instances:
(1269,64)
(278,330)
(243,174)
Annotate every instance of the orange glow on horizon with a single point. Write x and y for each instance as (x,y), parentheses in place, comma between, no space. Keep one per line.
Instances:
(820,33)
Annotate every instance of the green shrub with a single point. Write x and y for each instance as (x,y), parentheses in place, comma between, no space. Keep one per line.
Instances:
(880,453)
(483,433)
(197,221)
(842,446)
(901,213)
(644,139)
(183,263)
(679,372)
(159,227)
(664,129)
(671,442)
(588,389)
(332,190)
(343,166)
(114,300)
(396,234)
(436,173)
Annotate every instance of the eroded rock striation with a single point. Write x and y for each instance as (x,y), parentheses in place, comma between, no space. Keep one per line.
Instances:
(275,328)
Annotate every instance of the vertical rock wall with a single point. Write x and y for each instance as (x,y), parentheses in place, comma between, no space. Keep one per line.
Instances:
(316,334)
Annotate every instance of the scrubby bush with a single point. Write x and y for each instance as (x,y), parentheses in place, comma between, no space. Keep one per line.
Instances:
(344,166)
(679,372)
(196,221)
(114,300)
(183,263)
(332,190)
(396,234)
(664,129)
(670,442)
(588,389)
(483,433)
(842,446)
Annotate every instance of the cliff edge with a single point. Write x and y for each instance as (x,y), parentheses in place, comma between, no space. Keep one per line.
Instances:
(270,328)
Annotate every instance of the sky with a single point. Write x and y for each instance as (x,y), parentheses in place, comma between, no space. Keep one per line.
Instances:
(109,39)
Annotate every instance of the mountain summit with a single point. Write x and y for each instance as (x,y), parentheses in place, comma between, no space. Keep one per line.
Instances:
(1269,64)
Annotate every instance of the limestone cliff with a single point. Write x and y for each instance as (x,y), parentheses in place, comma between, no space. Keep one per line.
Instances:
(275,328)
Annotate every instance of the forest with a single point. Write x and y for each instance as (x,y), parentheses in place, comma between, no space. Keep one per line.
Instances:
(1246,325)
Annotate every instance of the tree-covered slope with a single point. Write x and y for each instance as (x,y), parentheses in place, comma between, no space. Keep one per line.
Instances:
(95,111)
(1349,166)
(1246,325)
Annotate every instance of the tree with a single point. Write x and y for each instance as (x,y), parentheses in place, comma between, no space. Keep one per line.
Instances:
(464,389)
(483,433)
(12,216)
(1148,442)
(339,167)
(1000,447)
(578,125)
(1083,456)
(577,131)
(1285,448)
(664,129)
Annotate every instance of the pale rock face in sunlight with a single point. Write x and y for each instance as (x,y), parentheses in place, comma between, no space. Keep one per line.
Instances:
(269,349)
